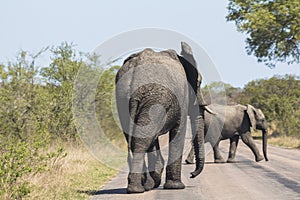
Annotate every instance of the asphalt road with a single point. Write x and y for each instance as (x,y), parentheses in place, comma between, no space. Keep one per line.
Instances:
(277,179)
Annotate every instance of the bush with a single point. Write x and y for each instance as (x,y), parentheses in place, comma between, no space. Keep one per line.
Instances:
(36,109)
(278,97)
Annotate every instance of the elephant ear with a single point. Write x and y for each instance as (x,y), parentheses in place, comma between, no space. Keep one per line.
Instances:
(187,53)
(194,77)
(251,111)
(260,114)
(130,57)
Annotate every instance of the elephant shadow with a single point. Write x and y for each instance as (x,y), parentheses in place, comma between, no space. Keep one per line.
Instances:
(108,191)
(102,192)
(213,163)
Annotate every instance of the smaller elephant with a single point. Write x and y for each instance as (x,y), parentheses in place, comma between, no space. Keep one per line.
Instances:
(233,122)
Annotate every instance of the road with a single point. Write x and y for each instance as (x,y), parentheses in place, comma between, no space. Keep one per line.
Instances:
(277,179)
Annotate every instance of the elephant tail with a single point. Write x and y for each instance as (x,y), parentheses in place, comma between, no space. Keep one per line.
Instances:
(132,126)
(129,156)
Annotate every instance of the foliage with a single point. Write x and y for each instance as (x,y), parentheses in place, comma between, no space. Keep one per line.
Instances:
(15,162)
(59,77)
(279,98)
(20,158)
(221,93)
(105,100)
(24,125)
(36,109)
(272,28)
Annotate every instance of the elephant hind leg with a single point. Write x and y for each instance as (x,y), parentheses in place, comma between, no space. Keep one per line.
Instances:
(155,163)
(138,171)
(173,169)
(217,154)
(232,149)
(147,180)
(248,140)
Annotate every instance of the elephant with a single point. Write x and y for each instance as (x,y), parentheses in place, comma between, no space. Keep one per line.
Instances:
(236,121)
(155,92)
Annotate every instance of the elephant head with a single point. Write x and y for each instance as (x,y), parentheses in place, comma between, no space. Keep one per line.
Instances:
(258,121)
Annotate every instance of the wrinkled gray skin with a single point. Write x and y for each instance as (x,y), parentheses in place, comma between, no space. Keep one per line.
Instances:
(238,120)
(167,74)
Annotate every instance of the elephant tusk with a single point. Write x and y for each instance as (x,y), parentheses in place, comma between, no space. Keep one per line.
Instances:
(209,110)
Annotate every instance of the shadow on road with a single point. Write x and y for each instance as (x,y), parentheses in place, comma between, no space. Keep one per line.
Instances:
(213,163)
(99,192)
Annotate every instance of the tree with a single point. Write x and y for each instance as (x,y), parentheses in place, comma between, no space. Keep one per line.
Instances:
(221,93)
(24,117)
(104,102)
(59,78)
(279,98)
(272,28)
(36,110)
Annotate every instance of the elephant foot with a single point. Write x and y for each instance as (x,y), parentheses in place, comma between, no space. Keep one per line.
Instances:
(149,184)
(131,189)
(156,178)
(231,160)
(259,158)
(147,181)
(174,185)
(219,160)
(135,181)
(187,161)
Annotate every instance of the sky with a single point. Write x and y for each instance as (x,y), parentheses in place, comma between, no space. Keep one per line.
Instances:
(33,24)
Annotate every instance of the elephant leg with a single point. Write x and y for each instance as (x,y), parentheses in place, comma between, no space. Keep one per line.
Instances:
(232,149)
(173,169)
(147,180)
(156,163)
(217,154)
(248,140)
(190,158)
(139,146)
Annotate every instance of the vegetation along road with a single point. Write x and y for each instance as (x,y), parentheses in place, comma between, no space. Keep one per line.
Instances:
(278,178)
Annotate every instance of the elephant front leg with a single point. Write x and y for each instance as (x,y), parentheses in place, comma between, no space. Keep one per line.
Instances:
(232,149)
(173,169)
(248,140)
(217,154)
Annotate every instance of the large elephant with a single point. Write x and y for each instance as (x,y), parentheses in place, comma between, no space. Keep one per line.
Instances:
(155,91)
(237,121)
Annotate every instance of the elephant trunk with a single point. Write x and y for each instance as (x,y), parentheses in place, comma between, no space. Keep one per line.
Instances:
(198,130)
(264,141)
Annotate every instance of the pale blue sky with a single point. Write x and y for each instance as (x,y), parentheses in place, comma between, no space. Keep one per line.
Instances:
(33,24)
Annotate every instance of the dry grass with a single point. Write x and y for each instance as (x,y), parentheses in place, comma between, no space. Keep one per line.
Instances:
(76,176)
(285,141)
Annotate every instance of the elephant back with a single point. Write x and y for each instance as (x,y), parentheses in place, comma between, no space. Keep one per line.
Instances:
(154,68)
(228,117)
